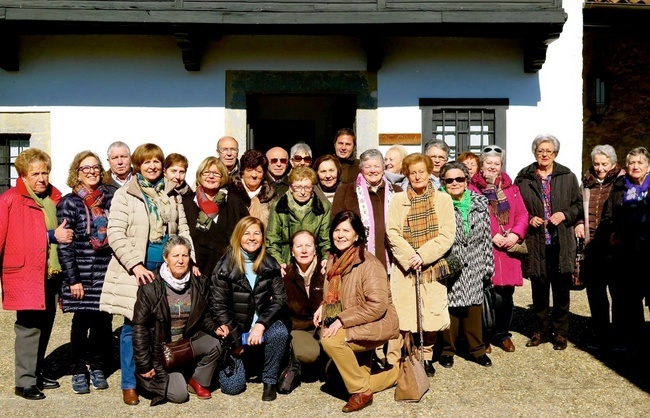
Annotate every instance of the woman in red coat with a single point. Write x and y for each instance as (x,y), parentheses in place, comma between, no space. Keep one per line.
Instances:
(508,224)
(29,232)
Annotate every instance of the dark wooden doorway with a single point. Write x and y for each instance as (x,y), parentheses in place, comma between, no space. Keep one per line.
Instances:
(285,119)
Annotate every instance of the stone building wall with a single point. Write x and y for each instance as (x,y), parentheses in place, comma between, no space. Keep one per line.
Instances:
(622,57)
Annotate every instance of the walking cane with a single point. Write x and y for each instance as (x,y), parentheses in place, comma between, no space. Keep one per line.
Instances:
(419,311)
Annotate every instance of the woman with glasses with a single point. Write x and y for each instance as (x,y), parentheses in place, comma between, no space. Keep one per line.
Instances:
(329,171)
(472,245)
(251,186)
(84,263)
(508,224)
(554,203)
(297,210)
(143,215)
(421,228)
(300,155)
(212,213)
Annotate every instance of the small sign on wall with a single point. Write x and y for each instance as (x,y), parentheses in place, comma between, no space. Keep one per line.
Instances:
(400,139)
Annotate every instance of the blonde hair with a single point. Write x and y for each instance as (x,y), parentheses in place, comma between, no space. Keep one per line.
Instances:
(73,172)
(30,156)
(237,258)
(301,173)
(205,164)
(414,159)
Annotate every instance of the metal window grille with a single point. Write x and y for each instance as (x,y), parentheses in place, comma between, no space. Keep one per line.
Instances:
(10,146)
(464,130)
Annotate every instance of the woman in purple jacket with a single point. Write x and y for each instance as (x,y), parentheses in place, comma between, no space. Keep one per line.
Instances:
(508,223)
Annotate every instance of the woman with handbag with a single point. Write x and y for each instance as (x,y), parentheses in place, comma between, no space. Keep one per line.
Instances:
(173,309)
(508,226)
(357,314)
(248,303)
(84,263)
(421,228)
(595,271)
(472,246)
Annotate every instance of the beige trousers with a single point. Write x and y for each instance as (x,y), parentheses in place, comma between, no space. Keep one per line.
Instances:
(353,361)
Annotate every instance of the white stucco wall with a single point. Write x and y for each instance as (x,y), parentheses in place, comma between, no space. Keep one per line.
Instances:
(99,89)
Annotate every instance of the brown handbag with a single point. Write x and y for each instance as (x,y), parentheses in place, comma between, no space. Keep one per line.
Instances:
(177,355)
(412,380)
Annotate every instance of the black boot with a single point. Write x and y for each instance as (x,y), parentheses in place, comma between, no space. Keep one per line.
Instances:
(269,393)
(428,367)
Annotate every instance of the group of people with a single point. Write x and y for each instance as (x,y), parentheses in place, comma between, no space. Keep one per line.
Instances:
(270,257)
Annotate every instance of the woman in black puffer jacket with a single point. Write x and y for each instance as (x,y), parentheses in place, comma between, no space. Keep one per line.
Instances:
(247,295)
(84,263)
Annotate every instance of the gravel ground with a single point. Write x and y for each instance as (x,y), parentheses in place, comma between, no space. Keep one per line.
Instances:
(529,382)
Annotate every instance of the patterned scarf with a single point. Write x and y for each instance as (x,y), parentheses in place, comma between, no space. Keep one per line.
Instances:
(209,207)
(545,185)
(332,301)
(367,213)
(48,207)
(636,192)
(299,210)
(158,207)
(421,223)
(499,206)
(94,202)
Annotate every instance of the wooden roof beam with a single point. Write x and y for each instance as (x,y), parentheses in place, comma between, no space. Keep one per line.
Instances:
(9,49)
(192,45)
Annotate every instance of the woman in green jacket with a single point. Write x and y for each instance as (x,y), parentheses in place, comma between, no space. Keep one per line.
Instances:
(298,210)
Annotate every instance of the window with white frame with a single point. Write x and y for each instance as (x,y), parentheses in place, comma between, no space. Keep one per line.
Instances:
(464,124)
(10,146)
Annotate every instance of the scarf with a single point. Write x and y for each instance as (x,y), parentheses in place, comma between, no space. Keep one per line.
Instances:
(158,207)
(498,202)
(636,192)
(367,212)
(299,210)
(332,301)
(51,223)
(176,284)
(94,201)
(421,223)
(209,207)
(464,205)
(182,189)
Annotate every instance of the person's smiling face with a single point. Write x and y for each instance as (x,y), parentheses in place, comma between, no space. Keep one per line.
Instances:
(327,174)
(344,236)
(152,169)
(251,241)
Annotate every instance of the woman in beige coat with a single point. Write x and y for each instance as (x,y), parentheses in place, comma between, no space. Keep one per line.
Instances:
(143,214)
(421,229)
(357,314)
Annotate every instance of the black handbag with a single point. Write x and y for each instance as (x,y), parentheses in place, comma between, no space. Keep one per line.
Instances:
(289,378)
(489,310)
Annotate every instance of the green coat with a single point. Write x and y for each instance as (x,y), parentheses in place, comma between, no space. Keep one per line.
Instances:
(283,223)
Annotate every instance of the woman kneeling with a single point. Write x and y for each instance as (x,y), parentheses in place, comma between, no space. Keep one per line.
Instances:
(154,323)
(357,313)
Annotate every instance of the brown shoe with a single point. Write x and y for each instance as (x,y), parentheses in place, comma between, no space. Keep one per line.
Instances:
(507,345)
(130,397)
(358,401)
(537,339)
(488,349)
(560,342)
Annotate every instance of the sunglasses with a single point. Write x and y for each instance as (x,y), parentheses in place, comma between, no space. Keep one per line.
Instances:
(280,160)
(492,148)
(456,179)
(298,158)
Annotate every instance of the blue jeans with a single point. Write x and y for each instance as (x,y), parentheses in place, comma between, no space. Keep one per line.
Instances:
(127,363)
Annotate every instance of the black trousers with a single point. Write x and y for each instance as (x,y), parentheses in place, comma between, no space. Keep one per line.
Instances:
(597,283)
(556,322)
(91,339)
(33,330)
(504,311)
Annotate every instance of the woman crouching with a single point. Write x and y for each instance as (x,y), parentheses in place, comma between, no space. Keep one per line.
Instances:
(357,314)
(155,322)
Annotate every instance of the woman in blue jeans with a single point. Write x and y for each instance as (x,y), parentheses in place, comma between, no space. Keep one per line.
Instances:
(247,298)
(143,215)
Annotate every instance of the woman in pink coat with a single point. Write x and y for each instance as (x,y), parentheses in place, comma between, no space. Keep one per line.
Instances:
(508,224)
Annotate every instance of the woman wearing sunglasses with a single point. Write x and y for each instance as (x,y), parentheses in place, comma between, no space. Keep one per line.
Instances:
(472,245)
(508,224)
(297,210)
(554,203)
(300,155)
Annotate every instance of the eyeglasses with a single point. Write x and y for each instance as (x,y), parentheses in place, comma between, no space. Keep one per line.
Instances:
(492,148)
(298,158)
(456,179)
(544,152)
(215,174)
(86,169)
(279,160)
(302,188)
(228,150)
